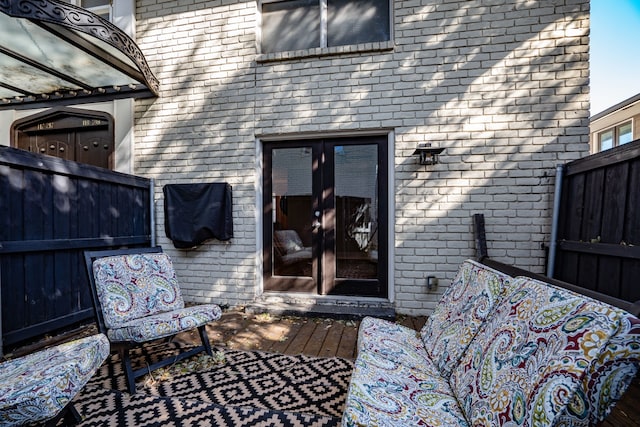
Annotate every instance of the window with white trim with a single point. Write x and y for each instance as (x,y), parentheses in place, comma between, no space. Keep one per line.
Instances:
(102,8)
(615,136)
(306,24)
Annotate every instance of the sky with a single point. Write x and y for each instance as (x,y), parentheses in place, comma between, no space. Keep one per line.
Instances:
(615,52)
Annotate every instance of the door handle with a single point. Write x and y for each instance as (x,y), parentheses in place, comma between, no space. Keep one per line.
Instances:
(316,222)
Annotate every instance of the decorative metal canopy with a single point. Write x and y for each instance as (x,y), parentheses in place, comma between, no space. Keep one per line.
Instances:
(57,53)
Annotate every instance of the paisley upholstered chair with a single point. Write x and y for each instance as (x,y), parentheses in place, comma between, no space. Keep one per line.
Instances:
(137,299)
(291,257)
(39,387)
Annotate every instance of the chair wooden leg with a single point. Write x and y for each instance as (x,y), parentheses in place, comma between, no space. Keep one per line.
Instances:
(202,330)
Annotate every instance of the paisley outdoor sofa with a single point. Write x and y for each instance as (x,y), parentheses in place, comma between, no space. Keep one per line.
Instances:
(498,350)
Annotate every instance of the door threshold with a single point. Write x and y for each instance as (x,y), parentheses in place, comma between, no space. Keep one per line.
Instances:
(336,309)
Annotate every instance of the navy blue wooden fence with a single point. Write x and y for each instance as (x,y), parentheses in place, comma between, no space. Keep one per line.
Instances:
(51,210)
(599,227)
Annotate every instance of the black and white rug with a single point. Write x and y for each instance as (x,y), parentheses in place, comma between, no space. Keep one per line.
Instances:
(247,389)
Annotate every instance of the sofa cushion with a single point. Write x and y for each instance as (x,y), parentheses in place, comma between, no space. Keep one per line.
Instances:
(36,387)
(466,304)
(394,342)
(294,257)
(288,240)
(383,392)
(133,286)
(528,360)
(608,376)
(165,324)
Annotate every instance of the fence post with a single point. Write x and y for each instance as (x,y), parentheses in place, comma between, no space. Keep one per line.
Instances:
(480,236)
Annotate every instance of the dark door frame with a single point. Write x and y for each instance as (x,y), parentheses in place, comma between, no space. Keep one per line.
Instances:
(323,267)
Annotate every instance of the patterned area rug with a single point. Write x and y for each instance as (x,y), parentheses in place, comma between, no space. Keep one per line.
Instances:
(248,389)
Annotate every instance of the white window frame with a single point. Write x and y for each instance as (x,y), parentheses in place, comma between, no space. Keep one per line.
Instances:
(616,133)
(324,25)
(98,10)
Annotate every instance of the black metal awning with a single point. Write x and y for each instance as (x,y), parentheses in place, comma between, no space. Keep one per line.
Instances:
(56,53)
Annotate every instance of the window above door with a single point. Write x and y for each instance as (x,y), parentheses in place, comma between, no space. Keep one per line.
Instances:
(294,25)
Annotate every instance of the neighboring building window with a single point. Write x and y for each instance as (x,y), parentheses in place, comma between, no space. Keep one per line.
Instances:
(615,136)
(625,133)
(102,8)
(305,24)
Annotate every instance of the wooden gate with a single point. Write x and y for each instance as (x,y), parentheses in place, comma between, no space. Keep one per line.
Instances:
(51,210)
(599,224)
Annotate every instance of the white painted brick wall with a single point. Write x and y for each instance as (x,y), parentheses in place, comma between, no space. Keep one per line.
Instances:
(501,84)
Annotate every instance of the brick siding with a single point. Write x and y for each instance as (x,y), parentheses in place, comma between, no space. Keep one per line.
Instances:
(501,85)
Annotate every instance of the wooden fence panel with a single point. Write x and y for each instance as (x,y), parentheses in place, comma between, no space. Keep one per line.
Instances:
(51,210)
(599,227)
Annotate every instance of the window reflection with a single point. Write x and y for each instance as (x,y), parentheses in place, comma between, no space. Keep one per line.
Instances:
(353,22)
(305,24)
(626,133)
(616,136)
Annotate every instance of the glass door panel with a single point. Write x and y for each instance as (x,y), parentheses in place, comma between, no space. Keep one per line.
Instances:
(289,254)
(292,201)
(356,211)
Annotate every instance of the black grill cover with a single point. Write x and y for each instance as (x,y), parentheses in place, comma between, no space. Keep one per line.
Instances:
(194,213)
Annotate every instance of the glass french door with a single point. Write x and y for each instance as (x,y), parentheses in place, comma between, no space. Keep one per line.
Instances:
(325,216)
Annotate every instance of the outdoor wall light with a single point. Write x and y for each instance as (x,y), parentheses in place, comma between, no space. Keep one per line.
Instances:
(427,154)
